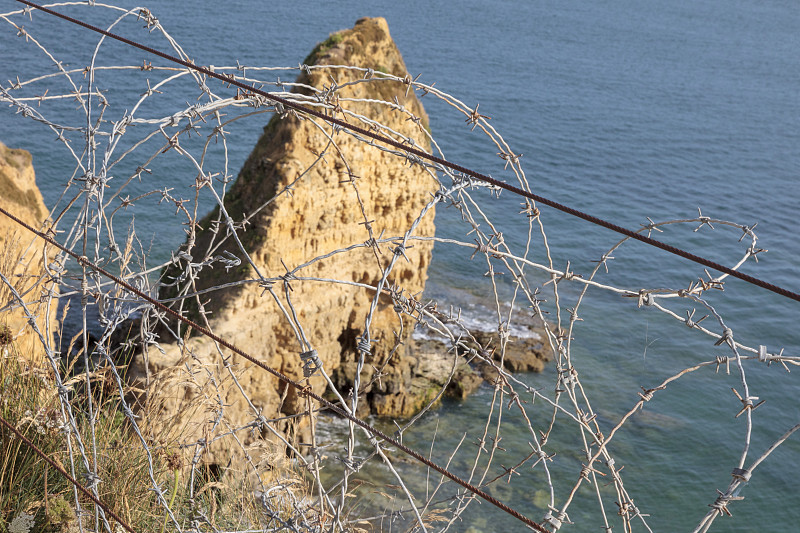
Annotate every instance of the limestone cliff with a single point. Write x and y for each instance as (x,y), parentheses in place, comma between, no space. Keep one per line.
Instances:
(21,254)
(344,198)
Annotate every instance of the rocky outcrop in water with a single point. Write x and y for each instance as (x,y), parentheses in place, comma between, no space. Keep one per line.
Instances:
(344,192)
(350,195)
(21,255)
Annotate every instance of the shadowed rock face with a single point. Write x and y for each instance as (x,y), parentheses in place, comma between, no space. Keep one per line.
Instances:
(21,255)
(353,193)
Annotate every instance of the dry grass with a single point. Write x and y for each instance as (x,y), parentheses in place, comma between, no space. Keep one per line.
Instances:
(34,497)
(30,402)
(27,485)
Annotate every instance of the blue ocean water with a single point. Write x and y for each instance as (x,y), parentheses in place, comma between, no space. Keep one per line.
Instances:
(623,109)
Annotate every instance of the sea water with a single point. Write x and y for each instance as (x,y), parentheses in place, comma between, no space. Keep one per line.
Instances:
(623,109)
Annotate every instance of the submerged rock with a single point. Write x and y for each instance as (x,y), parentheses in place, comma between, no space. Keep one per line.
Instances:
(522,354)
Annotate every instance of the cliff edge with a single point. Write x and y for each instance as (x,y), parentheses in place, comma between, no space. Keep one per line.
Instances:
(21,255)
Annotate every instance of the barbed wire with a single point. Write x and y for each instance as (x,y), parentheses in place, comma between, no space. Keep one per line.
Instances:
(473,117)
(86,220)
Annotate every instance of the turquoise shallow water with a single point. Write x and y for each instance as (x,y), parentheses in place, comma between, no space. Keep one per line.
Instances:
(623,109)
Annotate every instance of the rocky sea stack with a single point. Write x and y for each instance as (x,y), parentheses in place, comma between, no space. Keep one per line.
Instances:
(343,192)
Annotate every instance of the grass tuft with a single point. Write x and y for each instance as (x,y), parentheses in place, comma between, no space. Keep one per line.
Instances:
(34,497)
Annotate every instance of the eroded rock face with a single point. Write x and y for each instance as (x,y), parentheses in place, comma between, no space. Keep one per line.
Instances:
(21,254)
(352,194)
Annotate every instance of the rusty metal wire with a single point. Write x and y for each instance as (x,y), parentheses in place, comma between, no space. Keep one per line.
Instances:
(64,473)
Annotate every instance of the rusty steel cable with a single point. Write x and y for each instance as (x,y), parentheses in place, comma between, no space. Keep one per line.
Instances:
(302,390)
(64,473)
(434,159)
